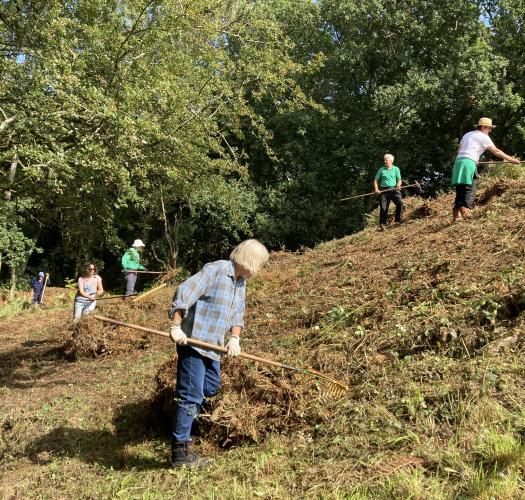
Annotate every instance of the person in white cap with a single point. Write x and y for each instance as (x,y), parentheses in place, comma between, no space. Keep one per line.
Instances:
(130,263)
(464,174)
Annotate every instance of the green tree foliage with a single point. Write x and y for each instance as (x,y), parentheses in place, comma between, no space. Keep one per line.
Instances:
(195,123)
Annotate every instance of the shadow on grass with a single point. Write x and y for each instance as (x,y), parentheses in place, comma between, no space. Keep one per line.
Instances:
(23,366)
(132,426)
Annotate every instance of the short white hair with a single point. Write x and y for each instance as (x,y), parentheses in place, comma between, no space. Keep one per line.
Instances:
(250,254)
(388,156)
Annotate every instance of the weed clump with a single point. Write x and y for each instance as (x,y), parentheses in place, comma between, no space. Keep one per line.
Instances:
(92,338)
(253,403)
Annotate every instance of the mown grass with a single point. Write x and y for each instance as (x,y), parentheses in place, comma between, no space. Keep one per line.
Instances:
(85,434)
(434,358)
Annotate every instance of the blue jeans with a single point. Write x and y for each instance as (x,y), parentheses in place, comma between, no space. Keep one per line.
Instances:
(198,377)
(83,307)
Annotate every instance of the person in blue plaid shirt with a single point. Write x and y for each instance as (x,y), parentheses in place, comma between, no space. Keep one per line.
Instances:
(206,307)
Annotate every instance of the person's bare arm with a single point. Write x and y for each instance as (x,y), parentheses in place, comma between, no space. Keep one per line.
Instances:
(82,291)
(100,288)
(500,154)
(177,317)
(236,331)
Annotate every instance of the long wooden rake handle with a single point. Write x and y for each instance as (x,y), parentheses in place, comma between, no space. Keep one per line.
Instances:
(498,162)
(416,184)
(195,342)
(115,297)
(42,293)
(143,272)
(339,387)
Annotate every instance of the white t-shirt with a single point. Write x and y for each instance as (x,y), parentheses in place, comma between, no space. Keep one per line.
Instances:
(473,145)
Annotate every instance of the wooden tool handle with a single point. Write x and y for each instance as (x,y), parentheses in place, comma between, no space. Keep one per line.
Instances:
(195,342)
(143,272)
(383,191)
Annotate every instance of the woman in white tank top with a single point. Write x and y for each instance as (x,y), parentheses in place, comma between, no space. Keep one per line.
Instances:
(89,286)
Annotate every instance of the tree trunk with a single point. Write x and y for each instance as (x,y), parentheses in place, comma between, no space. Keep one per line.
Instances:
(11,176)
(12,290)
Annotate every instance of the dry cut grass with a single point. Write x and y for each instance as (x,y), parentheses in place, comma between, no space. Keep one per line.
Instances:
(425,322)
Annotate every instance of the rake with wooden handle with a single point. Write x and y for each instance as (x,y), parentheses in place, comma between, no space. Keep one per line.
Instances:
(149,292)
(333,387)
(142,272)
(110,297)
(416,184)
(498,162)
(46,279)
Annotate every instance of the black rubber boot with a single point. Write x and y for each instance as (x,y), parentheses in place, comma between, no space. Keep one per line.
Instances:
(181,455)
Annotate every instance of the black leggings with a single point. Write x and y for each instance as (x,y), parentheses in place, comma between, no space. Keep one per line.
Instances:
(465,194)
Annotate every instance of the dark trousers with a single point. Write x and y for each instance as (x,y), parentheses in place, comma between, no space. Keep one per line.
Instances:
(198,377)
(37,296)
(465,195)
(386,198)
(129,283)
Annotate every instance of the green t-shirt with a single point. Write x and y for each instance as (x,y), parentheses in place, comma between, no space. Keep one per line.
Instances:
(464,171)
(388,177)
(131,260)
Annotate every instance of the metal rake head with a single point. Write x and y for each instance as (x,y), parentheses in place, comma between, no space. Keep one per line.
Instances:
(331,387)
(169,275)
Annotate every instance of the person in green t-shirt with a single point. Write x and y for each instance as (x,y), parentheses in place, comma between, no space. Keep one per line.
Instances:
(130,263)
(388,177)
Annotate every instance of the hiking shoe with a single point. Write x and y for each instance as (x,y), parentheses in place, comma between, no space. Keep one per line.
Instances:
(382,227)
(181,455)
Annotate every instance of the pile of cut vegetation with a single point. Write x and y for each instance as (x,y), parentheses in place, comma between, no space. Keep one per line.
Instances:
(92,338)
(426,324)
(255,401)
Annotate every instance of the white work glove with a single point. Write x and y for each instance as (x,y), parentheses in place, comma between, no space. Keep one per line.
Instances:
(177,335)
(234,349)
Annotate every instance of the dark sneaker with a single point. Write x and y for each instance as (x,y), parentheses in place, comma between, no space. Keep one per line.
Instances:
(181,455)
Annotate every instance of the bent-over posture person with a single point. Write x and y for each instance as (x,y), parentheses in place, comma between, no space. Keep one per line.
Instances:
(206,307)
(464,174)
(131,262)
(89,286)
(388,177)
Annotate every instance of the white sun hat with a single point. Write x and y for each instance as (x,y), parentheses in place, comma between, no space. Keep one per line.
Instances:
(138,243)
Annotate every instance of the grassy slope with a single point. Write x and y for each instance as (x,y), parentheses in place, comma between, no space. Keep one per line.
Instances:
(424,321)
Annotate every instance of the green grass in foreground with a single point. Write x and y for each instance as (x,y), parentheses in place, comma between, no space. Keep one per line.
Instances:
(87,439)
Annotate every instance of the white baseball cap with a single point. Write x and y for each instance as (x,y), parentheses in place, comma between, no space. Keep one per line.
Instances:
(138,243)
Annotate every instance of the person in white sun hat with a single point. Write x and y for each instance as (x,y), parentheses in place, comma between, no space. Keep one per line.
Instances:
(130,263)
(464,174)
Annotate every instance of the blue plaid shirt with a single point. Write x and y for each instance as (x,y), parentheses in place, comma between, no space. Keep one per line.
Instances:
(211,303)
